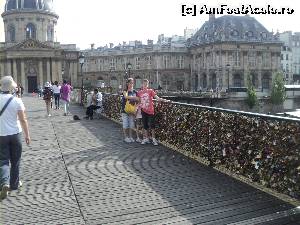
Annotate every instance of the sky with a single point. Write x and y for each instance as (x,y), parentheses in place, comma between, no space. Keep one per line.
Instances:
(113,21)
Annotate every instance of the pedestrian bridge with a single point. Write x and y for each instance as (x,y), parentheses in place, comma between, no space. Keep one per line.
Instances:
(81,172)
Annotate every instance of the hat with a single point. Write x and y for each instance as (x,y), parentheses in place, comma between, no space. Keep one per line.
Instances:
(8,83)
(47,84)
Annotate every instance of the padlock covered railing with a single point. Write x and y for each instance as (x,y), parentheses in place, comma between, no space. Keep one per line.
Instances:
(263,148)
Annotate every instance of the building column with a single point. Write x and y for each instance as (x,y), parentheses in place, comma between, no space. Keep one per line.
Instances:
(54,71)
(41,75)
(48,71)
(75,74)
(59,71)
(15,72)
(1,70)
(23,76)
(8,68)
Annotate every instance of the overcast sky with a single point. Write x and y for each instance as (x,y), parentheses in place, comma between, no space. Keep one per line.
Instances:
(102,22)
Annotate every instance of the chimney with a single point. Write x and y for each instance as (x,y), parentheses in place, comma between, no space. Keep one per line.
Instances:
(211,17)
(92,46)
(111,45)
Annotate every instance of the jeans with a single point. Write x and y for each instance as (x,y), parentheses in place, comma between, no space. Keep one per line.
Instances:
(56,97)
(10,152)
(90,110)
(66,106)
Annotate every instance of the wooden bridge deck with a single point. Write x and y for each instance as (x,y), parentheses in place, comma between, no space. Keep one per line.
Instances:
(81,172)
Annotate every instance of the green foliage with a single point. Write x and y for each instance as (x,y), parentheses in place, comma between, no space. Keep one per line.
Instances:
(251,99)
(278,93)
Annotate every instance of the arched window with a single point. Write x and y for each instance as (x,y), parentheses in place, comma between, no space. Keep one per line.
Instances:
(138,82)
(100,82)
(114,83)
(213,81)
(11,33)
(204,81)
(254,80)
(237,80)
(266,81)
(50,33)
(30,31)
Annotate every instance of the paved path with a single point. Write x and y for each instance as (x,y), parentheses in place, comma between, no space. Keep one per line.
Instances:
(81,172)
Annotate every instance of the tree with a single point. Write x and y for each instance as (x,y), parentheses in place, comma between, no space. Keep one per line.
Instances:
(251,99)
(278,93)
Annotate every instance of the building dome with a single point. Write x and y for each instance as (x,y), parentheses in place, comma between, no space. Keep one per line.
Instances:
(23,5)
(231,29)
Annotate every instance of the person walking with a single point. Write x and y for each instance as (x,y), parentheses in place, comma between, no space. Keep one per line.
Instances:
(47,93)
(146,96)
(56,93)
(129,94)
(12,120)
(65,93)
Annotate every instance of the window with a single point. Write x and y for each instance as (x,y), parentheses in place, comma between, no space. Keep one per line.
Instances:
(30,31)
(179,61)
(249,34)
(30,4)
(237,80)
(263,35)
(266,81)
(138,82)
(11,33)
(266,59)
(166,61)
(234,33)
(113,64)
(236,59)
(252,58)
(287,57)
(137,63)
(50,33)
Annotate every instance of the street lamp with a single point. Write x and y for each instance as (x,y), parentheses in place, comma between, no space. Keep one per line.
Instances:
(81,62)
(228,66)
(129,66)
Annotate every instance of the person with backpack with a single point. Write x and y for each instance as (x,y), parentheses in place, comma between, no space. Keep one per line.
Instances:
(13,121)
(48,93)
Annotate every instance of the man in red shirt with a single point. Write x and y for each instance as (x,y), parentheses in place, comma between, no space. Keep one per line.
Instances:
(146,96)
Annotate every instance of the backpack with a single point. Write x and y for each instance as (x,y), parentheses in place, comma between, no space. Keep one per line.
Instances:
(47,94)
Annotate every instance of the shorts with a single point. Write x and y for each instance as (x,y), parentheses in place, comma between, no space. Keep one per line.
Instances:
(148,121)
(128,121)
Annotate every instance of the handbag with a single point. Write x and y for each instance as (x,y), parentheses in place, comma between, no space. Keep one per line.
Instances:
(130,108)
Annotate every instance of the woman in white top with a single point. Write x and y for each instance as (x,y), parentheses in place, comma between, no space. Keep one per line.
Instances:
(56,92)
(12,120)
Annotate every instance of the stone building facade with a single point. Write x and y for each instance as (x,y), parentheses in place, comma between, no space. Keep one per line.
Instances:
(165,66)
(220,55)
(30,53)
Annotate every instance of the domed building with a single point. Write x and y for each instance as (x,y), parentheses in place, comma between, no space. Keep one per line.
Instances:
(228,49)
(30,52)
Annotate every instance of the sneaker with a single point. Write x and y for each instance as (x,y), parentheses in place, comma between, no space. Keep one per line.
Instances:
(132,140)
(4,191)
(154,141)
(19,186)
(138,140)
(145,141)
(65,114)
(49,115)
(127,140)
